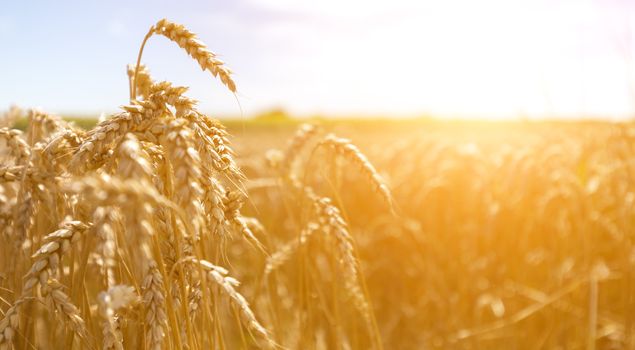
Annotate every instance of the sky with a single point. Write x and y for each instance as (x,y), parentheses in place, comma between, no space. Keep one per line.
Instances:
(452,58)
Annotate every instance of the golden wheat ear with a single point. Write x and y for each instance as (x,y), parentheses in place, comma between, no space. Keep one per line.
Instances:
(189,42)
(348,151)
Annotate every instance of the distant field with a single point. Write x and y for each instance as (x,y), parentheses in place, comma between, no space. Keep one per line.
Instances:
(508,234)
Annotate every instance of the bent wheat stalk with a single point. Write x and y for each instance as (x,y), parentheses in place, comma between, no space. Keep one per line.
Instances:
(196,49)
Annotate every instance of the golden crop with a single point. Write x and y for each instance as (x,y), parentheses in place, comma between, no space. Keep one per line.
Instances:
(149,231)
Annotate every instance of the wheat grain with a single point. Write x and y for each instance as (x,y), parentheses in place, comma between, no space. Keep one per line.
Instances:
(232,202)
(219,276)
(42,125)
(188,41)
(304,133)
(48,256)
(133,161)
(106,190)
(143,81)
(153,298)
(104,219)
(281,256)
(348,150)
(18,148)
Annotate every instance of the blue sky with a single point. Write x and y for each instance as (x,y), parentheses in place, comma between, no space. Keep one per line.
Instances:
(456,58)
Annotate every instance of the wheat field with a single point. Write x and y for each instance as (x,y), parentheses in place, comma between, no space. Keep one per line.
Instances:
(161,228)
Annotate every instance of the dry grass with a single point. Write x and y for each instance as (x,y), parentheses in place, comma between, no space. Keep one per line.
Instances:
(148,231)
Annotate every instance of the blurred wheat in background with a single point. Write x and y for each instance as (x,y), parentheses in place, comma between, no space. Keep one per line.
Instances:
(149,231)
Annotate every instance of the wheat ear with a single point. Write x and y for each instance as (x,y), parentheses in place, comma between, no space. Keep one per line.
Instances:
(349,151)
(188,41)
